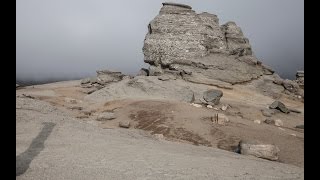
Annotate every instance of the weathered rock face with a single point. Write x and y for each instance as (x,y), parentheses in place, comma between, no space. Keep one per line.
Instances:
(175,31)
(300,78)
(197,49)
(103,78)
(236,42)
(212,96)
(106,76)
(295,87)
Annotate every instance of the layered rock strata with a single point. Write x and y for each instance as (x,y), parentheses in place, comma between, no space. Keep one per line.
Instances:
(196,48)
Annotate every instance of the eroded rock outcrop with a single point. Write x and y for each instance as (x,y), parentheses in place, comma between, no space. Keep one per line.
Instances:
(300,78)
(103,78)
(291,87)
(196,48)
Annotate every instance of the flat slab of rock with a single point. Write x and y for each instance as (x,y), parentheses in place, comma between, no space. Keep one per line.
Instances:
(213,96)
(76,108)
(176,4)
(258,149)
(89,90)
(276,122)
(106,116)
(294,110)
(124,124)
(280,106)
(267,112)
(164,78)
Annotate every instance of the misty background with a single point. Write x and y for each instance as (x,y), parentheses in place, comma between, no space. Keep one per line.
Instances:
(71,39)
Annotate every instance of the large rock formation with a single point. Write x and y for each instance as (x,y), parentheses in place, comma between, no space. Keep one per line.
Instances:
(300,78)
(103,78)
(196,48)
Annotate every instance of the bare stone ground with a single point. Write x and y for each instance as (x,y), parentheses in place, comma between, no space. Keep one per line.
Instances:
(181,122)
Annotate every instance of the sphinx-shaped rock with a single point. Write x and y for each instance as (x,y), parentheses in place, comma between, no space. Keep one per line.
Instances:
(197,49)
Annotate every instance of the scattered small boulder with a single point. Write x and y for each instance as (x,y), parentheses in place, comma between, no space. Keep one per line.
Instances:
(159,136)
(269,121)
(86,112)
(209,106)
(224,107)
(196,105)
(278,122)
(267,112)
(290,85)
(280,106)
(300,126)
(70,100)
(17,85)
(257,121)
(106,116)
(124,124)
(277,79)
(258,149)
(213,96)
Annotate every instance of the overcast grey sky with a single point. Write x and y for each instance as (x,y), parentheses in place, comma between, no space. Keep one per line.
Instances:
(72,38)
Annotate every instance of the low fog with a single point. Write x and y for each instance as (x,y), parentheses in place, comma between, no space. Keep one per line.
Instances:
(69,39)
